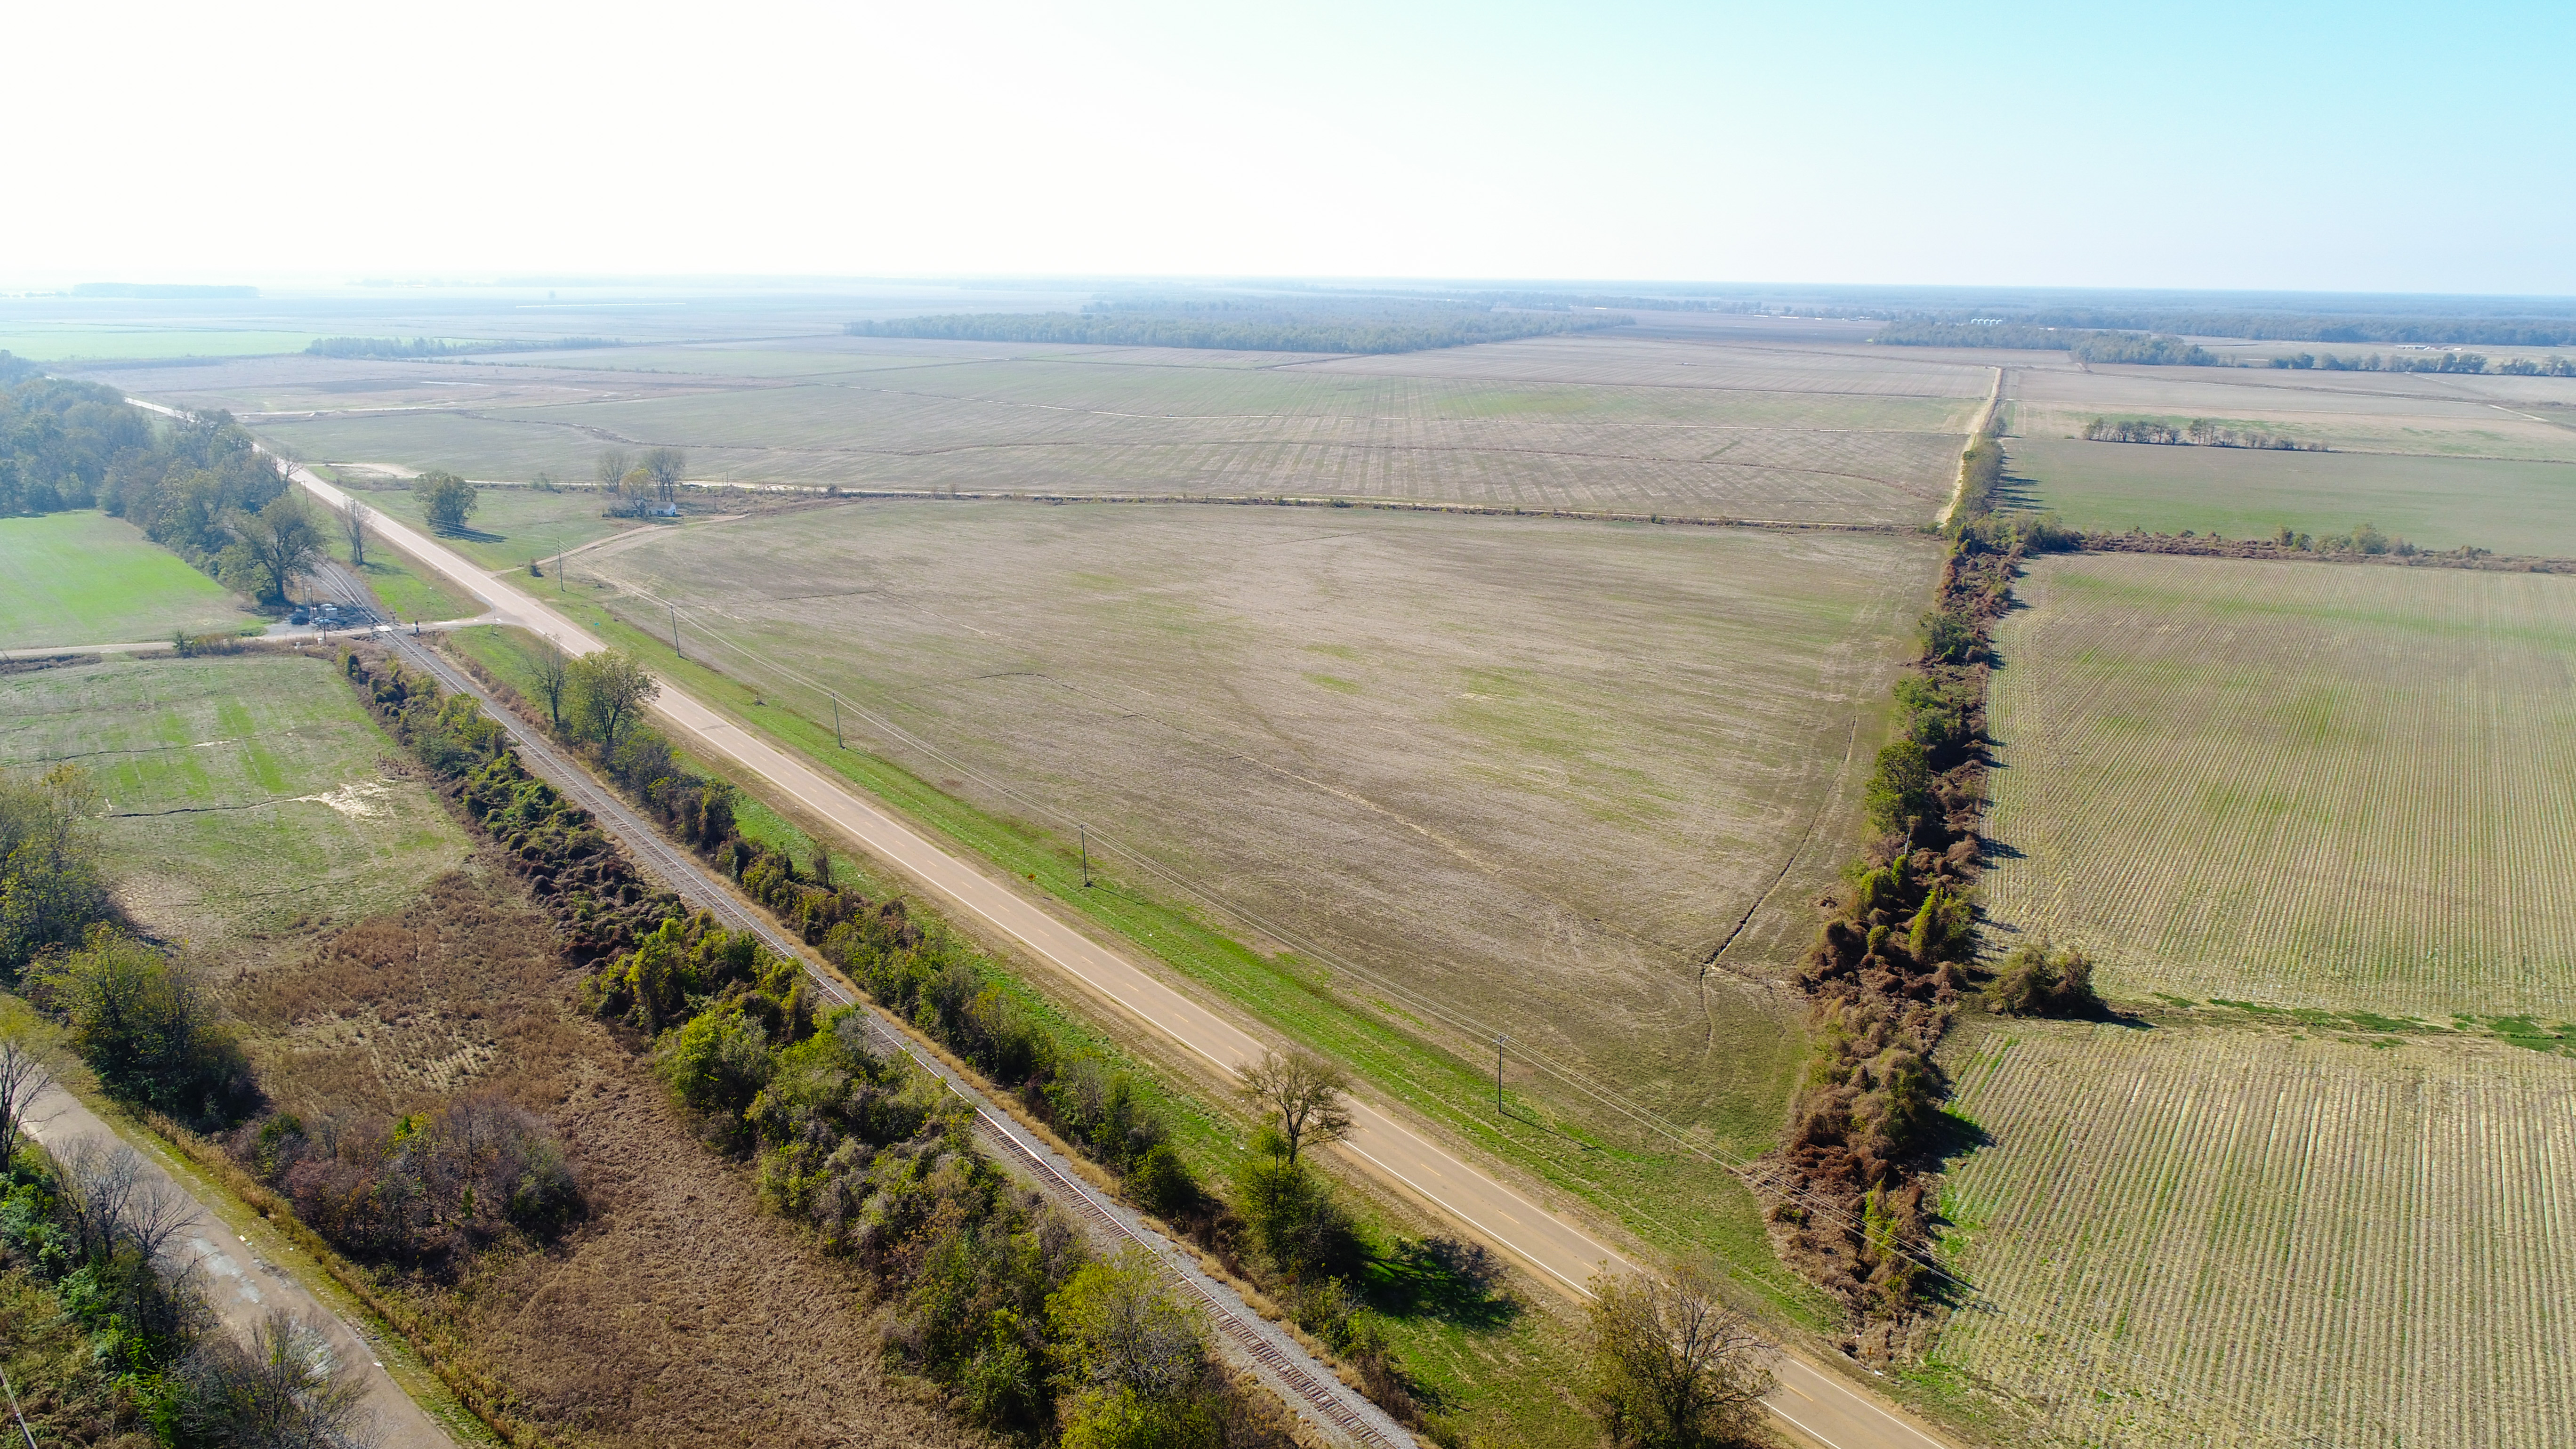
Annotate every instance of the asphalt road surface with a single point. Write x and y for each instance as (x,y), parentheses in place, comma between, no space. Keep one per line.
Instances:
(1820,1404)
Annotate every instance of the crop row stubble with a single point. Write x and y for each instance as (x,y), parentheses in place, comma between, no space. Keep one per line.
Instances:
(2242,1229)
(2306,785)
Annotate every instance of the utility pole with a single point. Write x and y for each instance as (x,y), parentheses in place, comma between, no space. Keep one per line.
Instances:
(675,632)
(1499,1039)
(836,722)
(1085,831)
(559,565)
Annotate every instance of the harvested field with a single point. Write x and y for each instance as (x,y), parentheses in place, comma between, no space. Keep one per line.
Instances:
(248,799)
(2301,784)
(1536,770)
(2221,1237)
(85,578)
(1694,428)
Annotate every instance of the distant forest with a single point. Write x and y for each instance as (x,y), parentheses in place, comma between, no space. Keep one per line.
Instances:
(2283,327)
(2552,366)
(1367,325)
(440,347)
(2088,346)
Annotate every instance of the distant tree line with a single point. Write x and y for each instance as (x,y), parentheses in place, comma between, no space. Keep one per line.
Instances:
(1320,325)
(2199,433)
(2287,327)
(636,484)
(196,485)
(2089,346)
(445,347)
(2469,362)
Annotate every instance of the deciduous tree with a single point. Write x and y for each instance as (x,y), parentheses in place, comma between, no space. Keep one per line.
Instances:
(1672,1366)
(609,689)
(1304,1097)
(447,499)
(282,540)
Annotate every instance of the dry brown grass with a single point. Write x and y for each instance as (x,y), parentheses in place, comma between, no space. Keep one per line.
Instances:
(677,1313)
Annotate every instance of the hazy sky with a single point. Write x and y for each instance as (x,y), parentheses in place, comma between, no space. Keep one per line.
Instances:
(2412,147)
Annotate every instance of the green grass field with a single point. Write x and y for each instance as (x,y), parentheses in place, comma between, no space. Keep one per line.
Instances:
(101,343)
(248,798)
(2198,1236)
(85,578)
(2311,785)
(510,525)
(2515,507)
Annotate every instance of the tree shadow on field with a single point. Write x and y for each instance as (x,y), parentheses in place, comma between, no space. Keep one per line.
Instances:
(469,535)
(1445,1278)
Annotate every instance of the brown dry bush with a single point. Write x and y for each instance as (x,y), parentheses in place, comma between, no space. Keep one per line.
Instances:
(675,1312)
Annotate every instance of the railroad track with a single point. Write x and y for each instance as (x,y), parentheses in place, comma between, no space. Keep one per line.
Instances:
(1290,1371)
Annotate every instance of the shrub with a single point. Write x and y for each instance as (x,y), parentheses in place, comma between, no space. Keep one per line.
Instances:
(147,1027)
(2034,980)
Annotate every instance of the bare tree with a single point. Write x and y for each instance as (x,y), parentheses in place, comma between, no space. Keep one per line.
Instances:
(613,464)
(1672,1366)
(26,1070)
(1305,1097)
(281,1390)
(667,467)
(554,677)
(353,527)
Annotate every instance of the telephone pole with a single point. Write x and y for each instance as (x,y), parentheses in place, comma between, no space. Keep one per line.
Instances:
(1085,832)
(1499,1039)
(675,632)
(836,723)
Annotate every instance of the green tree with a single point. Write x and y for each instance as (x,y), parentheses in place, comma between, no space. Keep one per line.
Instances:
(716,1063)
(51,887)
(1900,789)
(608,689)
(1672,1366)
(1120,1325)
(145,1026)
(447,500)
(554,679)
(282,542)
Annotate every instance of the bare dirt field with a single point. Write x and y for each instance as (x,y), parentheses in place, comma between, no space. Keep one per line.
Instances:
(1538,770)
(1808,428)
(2303,784)
(2208,1236)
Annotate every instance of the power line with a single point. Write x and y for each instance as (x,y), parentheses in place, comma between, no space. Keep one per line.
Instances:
(1745,1169)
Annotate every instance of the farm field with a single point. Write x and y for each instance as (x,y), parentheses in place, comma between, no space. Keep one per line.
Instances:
(247,799)
(2437,503)
(1819,430)
(2307,785)
(1535,771)
(2441,459)
(82,577)
(510,525)
(2210,1236)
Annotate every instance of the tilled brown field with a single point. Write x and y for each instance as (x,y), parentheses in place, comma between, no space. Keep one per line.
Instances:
(1536,770)
(2212,1236)
(1801,427)
(677,1313)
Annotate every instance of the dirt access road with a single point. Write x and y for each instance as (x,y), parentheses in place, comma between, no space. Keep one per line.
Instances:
(243,1283)
(1818,1403)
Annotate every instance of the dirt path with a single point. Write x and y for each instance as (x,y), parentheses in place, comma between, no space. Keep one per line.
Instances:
(243,1285)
